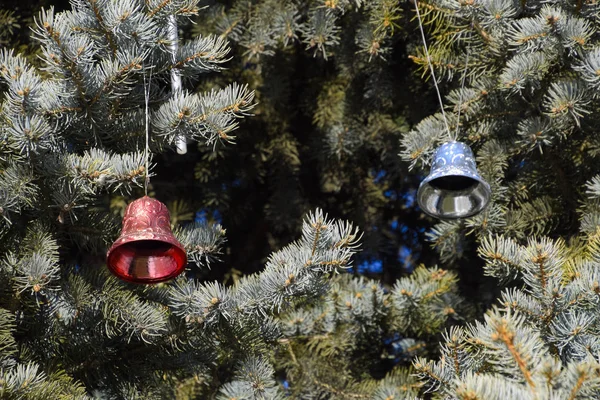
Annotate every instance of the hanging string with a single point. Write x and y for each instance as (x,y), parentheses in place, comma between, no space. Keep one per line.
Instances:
(437,89)
(460,98)
(147,119)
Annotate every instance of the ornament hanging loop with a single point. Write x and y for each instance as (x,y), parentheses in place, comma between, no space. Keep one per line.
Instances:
(180,142)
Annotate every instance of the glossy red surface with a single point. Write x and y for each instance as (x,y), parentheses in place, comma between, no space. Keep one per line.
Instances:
(146,251)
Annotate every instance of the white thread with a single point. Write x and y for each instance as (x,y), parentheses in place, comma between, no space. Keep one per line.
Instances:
(437,89)
(147,119)
(460,99)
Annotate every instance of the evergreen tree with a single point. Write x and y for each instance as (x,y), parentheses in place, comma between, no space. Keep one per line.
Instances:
(336,100)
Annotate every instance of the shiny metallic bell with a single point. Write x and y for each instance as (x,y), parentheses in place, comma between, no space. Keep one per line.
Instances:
(453,188)
(146,251)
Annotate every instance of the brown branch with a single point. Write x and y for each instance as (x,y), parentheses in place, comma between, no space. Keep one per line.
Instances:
(423,61)
(427,371)
(436,292)
(499,257)
(318,226)
(532,37)
(107,34)
(513,305)
(578,385)
(180,64)
(121,72)
(61,110)
(230,28)
(455,359)
(481,31)
(158,8)
(507,337)
(69,65)
(540,260)
(202,117)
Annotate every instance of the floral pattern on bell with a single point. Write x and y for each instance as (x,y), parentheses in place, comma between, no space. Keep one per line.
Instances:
(453,189)
(148,218)
(146,251)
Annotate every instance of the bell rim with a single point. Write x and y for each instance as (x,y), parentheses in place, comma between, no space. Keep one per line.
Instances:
(177,271)
(480,181)
(151,235)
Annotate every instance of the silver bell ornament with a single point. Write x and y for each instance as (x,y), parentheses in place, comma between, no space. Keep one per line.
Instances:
(453,188)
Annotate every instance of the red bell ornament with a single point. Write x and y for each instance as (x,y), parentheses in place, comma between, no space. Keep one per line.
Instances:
(147,251)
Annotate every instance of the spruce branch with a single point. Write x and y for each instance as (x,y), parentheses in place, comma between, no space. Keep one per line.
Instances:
(320,31)
(98,170)
(202,242)
(418,143)
(203,54)
(502,255)
(589,67)
(28,381)
(567,98)
(525,70)
(163,8)
(210,117)
(253,379)
(127,316)
(424,302)
(9,23)
(8,344)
